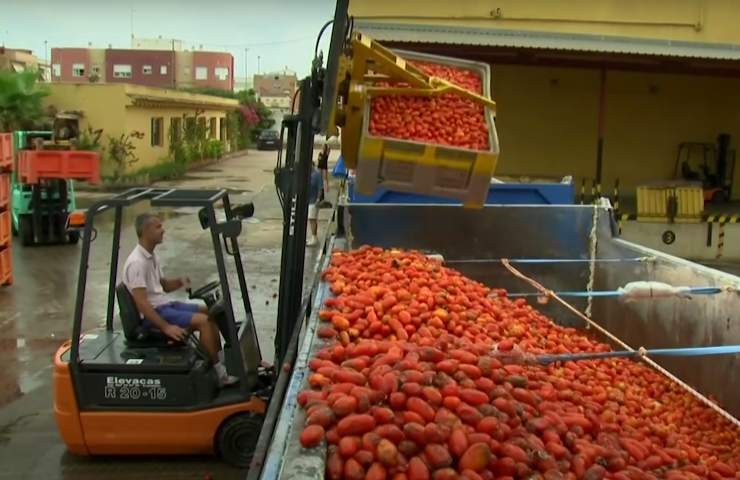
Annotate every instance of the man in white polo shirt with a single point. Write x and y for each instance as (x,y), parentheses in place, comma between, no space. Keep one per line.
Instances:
(142,275)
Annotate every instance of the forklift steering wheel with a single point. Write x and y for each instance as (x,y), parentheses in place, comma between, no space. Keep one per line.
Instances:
(203,291)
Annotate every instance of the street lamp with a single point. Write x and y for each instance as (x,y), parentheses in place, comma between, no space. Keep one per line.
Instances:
(246,64)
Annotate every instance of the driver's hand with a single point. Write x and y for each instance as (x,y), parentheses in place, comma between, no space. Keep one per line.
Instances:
(175,333)
(185,281)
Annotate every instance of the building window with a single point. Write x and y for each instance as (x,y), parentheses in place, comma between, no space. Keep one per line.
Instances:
(190,124)
(157,125)
(201,73)
(121,71)
(78,69)
(212,124)
(222,73)
(56,70)
(175,129)
(202,126)
(146,69)
(95,69)
(163,70)
(222,129)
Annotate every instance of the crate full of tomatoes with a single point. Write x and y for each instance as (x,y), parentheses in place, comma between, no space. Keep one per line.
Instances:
(414,380)
(442,145)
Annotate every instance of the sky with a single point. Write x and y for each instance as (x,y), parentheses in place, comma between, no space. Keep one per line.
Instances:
(282,33)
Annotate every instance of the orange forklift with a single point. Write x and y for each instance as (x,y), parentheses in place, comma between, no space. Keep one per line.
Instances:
(132,390)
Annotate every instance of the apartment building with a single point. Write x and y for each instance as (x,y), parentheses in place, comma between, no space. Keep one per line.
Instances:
(276,89)
(153,68)
(18,60)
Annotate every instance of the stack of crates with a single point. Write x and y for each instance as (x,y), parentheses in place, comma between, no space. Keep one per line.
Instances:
(680,202)
(6,165)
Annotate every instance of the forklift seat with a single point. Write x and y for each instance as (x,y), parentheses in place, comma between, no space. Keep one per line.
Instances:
(133,327)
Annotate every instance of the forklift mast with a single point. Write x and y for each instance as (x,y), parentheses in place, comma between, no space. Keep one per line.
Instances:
(317,96)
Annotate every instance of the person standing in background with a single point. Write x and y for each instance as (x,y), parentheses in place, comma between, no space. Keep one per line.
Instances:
(315,188)
(323,166)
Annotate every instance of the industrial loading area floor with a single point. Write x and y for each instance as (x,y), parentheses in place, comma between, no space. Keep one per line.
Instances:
(36,319)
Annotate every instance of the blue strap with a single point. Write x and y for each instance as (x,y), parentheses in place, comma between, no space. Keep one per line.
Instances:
(614,293)
(668,352)
(552,260)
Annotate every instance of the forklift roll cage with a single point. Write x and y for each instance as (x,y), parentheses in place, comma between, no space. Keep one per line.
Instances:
(242,362)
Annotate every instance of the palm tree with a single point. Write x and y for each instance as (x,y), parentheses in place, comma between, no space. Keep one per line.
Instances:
(20,100)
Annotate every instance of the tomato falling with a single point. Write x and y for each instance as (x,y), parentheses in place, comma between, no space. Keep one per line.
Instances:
(409,385)
(445,120)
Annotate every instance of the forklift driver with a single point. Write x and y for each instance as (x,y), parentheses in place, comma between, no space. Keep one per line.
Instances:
(142,275)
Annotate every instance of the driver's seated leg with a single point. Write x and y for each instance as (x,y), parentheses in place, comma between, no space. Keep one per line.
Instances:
(209,337)
(191,316)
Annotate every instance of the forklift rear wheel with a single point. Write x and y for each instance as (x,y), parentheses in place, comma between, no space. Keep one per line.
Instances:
(73,237)
(237,438)
(25,230)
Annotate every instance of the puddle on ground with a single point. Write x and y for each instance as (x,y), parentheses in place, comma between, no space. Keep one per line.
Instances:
(196,177)
(132,211)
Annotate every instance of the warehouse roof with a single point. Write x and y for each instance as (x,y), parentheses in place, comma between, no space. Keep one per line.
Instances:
(495,37)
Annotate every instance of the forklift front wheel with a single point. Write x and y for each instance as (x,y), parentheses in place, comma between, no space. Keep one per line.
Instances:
(25,230)
(237,438)
(73,237)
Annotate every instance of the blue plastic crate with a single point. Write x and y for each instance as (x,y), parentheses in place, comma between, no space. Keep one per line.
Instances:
(498,194)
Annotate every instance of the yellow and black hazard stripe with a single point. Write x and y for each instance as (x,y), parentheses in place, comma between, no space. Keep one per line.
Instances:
(721,219)
(720,240)
(714,218)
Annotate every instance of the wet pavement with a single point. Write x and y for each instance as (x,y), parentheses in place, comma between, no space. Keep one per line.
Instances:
(36,317)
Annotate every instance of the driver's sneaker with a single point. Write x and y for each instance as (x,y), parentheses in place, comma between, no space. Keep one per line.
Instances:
(227,380)
(224,379)
(312,241)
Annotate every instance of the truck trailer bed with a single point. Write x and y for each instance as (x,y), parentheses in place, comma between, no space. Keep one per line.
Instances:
(474,242)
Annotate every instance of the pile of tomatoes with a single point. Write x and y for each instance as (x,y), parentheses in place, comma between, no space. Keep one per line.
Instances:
(445,120)
(419,379)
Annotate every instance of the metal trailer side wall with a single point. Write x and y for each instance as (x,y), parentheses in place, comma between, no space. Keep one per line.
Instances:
(702,320)
(563,232)
(554,232)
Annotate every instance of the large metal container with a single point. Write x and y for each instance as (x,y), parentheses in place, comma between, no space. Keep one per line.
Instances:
(424,168)
(473,241)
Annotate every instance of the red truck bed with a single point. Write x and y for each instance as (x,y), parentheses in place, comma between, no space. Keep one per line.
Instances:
(34,165)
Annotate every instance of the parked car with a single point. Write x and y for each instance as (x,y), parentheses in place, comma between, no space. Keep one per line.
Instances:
(268,140)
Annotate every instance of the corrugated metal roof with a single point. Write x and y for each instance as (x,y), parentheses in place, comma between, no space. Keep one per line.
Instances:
(449,34)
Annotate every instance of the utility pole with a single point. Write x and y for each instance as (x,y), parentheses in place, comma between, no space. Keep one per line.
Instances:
(47,65)
(258,65)
(174,65)
(246,64)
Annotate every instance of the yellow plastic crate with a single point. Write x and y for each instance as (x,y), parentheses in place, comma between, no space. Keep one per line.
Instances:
(429,169)
(653,202)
